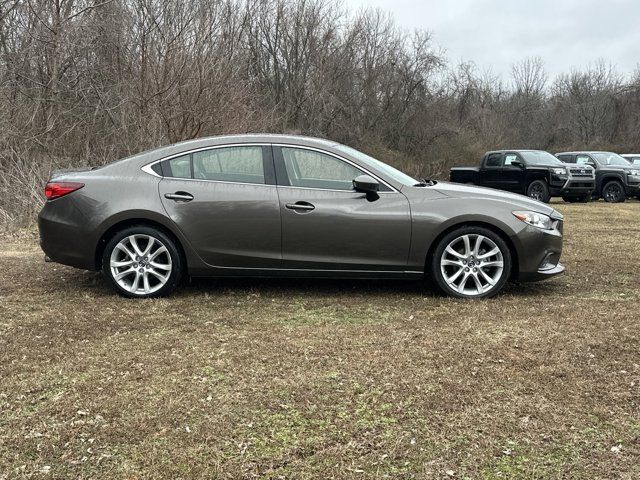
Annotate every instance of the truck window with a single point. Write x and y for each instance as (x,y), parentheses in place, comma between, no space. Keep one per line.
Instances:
(493,160)
(510,158)
(583,160)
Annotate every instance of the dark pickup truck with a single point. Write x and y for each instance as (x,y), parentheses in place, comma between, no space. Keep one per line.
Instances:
(535,173)
(616,178)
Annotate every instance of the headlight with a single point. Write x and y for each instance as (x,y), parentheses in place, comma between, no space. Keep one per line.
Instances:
(560,171)
(535,219)
(634,172)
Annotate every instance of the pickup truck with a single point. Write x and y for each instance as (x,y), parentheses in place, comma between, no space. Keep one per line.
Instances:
(535,173)
(616,178)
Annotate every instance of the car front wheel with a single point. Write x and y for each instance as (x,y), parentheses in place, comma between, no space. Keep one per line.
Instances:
(471,262)
(142,262)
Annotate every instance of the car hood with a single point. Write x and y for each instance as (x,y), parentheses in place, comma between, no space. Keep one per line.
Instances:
(520,202)
(546,166)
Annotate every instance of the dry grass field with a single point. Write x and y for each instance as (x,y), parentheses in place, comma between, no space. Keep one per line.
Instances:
(325,379)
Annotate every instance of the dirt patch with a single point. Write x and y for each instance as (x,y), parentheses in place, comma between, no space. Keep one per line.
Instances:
(322,379)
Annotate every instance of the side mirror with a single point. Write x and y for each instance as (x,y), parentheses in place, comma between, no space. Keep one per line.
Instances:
(517,163)
(366,184)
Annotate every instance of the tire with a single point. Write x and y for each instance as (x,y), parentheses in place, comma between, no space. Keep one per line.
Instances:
(613,192)
(142,262)
(580,199)
(539,190)
(448,268)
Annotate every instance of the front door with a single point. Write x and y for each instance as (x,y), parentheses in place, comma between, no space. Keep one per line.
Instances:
(512,176)
(327,225)
(225,201)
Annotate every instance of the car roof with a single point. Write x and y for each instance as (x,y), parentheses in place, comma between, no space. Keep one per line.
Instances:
(258,138)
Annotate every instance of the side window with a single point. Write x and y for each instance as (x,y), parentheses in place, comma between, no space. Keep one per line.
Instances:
(177,167)
(583,160)
(311,169)
(493,160)
(566,158)
(509,158)
(230,164)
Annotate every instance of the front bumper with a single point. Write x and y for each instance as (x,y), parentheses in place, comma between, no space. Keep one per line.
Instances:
(633,185)
(573,186)
(539,253)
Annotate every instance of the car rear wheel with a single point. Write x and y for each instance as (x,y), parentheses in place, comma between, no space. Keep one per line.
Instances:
(613,192)
(471,262)
(142,262)
(539,190)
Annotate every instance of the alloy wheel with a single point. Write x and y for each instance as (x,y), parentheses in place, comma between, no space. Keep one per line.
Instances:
(537,192)
(472,264)
(613,192)
(140,264)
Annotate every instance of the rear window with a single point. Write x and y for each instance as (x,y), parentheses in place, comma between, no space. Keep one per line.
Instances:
(493,160)
(177,167)
(226,164)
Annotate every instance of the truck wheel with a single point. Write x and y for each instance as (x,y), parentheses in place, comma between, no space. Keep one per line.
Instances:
(613,192)
(471,262)
(539,190)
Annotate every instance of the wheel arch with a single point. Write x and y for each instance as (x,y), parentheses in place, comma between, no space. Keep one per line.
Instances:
(611,177)
(123,223)
(536,175)
(515,263)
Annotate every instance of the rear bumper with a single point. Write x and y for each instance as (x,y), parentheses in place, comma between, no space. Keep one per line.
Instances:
(62,239)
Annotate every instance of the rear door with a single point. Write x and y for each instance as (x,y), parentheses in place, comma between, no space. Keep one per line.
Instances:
(225,201)
(327,225)
(490,170)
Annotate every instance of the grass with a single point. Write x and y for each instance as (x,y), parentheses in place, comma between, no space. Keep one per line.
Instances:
(326,379)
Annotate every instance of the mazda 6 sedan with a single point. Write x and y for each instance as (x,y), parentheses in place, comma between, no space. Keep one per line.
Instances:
(289,206)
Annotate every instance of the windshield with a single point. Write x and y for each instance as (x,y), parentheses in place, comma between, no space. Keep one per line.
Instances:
(632,159)
(388,170)
(608,158)
(538,157)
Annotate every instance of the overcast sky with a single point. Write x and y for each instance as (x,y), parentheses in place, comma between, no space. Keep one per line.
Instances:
(494,34)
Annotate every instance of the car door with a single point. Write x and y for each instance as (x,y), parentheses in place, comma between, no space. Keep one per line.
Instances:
(512,176)
(327,225)
(225,201)
(490,170)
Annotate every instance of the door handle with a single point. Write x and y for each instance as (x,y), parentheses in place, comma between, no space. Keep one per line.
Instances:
(179,196)
(301,206)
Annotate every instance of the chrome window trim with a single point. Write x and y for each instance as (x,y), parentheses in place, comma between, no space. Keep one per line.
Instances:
(148,167)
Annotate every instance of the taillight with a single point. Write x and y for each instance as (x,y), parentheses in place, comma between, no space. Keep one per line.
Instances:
(60,189)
